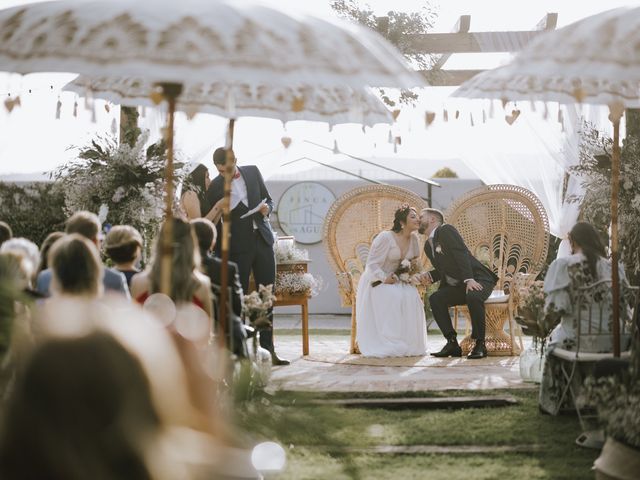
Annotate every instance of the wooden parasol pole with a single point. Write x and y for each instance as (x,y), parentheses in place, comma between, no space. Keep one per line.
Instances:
(226,233)
(170,91)
(615,276)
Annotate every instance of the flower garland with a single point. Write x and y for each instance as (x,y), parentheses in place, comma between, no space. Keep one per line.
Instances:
(298,283)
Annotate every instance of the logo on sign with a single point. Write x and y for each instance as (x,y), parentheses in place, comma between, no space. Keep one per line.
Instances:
(302,209)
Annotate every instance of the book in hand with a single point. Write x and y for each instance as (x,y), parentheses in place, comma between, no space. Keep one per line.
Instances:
(376,283)
(254,210)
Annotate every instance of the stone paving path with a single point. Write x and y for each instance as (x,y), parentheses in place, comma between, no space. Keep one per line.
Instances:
(330,368)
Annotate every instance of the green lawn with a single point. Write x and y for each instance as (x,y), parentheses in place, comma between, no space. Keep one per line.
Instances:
(314,436)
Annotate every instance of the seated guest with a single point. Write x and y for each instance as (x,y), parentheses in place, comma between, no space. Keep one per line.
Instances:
(123,246)
(212,266)
(5,232)
(587,264)
(44,250)
(15,318)
(88,225)
(28,249)
(76,267)
(82,409)
(187,283)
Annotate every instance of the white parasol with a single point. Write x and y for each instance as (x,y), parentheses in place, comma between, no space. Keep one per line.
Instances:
(595,60)
(331,104)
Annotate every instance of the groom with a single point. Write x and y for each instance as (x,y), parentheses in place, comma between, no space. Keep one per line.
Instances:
(463,281)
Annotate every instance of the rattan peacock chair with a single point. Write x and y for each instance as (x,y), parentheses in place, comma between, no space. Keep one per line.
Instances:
(506,228)
(350,226)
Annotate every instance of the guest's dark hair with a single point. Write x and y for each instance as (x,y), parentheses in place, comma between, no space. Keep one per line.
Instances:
(585,236)
(45,247)
(400,217)
(5,232)
(82,408)
(220,156)
(197,179)
(205,232)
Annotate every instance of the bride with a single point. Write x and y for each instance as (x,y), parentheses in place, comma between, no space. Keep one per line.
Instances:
(390,315)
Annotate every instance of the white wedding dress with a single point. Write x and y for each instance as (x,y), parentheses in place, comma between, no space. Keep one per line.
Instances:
(390,318)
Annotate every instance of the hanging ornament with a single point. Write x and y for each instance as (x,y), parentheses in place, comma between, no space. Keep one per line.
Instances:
(11,103)
(395,114)
(143,111)
(471,119)
(429,117)
(107,107)
(114,126)
(504,102)
(561,118)
(513,117)
(457,114)
(533,106)
(87,102)
(75,108)
(445,116)
(390,137)
(545,115)
(94,117)
(492,110)
(364,129)
(191,111)
(156,96)
(484,116)
(336,150)
(297,105)
(286,141)
(58,109)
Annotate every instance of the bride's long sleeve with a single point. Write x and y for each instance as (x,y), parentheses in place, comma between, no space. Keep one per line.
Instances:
(377,256)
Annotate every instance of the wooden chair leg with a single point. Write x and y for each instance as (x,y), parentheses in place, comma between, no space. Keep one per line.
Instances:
(305,328)
(510,321)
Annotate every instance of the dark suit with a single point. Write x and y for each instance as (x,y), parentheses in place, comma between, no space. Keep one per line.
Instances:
(453,264)
(251,246)
(212,267)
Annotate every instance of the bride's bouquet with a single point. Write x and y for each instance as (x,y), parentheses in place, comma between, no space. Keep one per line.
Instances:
(408,272)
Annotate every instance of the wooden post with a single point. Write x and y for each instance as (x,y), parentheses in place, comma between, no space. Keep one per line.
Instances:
(226,233)
(615,276)
(171,91)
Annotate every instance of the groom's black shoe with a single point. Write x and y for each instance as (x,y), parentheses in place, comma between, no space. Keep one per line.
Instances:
(277,361)
(479,351)
(451,349)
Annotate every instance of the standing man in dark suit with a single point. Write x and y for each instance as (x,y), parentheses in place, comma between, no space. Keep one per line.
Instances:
(251,244)
(463,281)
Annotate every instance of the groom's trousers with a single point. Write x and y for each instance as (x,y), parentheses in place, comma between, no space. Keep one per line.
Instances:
(448,296)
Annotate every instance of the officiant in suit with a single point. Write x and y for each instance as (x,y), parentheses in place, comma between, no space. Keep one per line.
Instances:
(251,243)
(463,281)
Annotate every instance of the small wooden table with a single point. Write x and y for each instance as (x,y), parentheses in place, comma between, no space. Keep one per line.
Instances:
(286,300)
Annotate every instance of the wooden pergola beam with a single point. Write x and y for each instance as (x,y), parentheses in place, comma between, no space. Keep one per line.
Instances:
(463,25)
(463,41)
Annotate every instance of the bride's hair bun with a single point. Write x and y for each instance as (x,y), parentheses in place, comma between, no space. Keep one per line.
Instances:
(401,215)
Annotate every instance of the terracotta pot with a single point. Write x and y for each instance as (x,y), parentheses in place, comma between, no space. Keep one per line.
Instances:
(617,461)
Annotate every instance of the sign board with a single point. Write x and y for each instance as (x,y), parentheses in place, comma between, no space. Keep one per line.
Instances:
(301,211)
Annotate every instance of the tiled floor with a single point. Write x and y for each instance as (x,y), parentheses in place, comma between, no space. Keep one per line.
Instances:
(330,367)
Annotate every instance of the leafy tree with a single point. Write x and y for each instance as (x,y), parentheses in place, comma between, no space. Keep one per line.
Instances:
(399,24)
(33,210)
(445,172)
